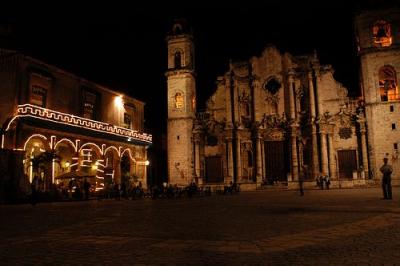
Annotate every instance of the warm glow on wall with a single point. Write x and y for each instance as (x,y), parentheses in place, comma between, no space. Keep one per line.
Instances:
(118,101)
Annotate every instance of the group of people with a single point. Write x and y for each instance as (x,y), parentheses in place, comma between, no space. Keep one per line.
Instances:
(323,181)
(74,189)
(117,191)
(174,191)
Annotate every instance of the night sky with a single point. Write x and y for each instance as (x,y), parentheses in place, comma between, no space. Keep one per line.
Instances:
(124,47)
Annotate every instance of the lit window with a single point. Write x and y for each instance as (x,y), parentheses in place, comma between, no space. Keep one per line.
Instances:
(89,105)
(388,84)
(178,100)
(127,120)
(382,34)
(38,96)
(88,110)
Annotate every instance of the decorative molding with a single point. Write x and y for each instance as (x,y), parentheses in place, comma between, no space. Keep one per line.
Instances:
(28,110)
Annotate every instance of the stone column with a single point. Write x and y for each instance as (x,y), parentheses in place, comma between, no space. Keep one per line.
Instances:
(291,96)
(230,158)
(235,100)
(315,164)
(318,93)
(324,153)
(295,163)
(197,156)
(332,161)
(228,103)
(311,92)
(315,161)
(364,148)
(263,157)
(259,162)
(238,160)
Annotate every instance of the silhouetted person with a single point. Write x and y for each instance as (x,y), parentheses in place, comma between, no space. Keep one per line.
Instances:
(302,178)
(86,187)
(327,181)
(34,188)
(386,170)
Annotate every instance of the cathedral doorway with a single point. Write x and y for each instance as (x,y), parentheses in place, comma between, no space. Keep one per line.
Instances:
(275,160)
(214,173)
(347,163)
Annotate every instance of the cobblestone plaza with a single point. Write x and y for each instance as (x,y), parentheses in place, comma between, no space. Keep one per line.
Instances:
(351,226)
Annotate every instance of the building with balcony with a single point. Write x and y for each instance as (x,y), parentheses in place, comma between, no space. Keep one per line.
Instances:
(67,127)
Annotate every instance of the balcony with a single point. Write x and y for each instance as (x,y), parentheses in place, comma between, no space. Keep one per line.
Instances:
(47,115)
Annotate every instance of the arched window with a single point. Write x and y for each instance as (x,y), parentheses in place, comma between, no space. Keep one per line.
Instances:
(178,59)
(272,86)
(179,100)
(177,29)
(388,84)
(382,33)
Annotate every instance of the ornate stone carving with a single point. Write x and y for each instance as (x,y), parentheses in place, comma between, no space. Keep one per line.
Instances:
(276,135)
(244,97)
(300,92)
(345,132)
(274,121)
(272,98)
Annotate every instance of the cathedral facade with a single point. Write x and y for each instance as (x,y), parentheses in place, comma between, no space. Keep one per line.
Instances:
(283,117)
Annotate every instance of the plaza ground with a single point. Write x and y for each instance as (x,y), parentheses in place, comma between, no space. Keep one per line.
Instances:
(347,226)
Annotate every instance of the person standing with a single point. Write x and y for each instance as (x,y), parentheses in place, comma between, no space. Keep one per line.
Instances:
(86,187)
(302,178)
(327,181)
(34,188)
(386,170)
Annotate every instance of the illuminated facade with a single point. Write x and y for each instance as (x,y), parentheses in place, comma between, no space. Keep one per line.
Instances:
(378,39)
(68,127)
(281,117)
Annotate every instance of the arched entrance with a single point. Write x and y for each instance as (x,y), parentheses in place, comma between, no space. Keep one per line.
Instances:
(66,156)
(38,160)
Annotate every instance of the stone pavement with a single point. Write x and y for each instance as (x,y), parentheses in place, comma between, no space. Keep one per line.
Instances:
(352,226)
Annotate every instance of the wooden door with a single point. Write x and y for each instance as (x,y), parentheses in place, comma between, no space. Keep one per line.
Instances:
(347,163)
(275,160)
(214,173)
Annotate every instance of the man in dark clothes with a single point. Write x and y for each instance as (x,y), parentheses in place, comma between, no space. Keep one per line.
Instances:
(386,170)
(86,187)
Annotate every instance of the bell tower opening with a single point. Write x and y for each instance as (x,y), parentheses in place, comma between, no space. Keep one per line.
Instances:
(178,59)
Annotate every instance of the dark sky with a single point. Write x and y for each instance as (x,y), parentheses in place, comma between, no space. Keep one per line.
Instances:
(124,47)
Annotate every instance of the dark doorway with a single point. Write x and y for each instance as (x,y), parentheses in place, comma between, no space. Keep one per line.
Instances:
(347,163)
(275,160)
(214,172)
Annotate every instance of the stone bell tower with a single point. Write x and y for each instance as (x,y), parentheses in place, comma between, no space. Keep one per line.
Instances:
(181,103)
(378,38)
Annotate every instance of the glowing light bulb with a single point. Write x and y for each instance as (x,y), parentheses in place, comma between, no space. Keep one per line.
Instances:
(119,101)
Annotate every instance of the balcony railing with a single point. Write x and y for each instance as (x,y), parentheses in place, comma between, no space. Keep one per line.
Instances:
(29,110)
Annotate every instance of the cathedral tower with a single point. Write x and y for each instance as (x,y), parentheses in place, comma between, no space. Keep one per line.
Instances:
(378,38)
(181,104)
